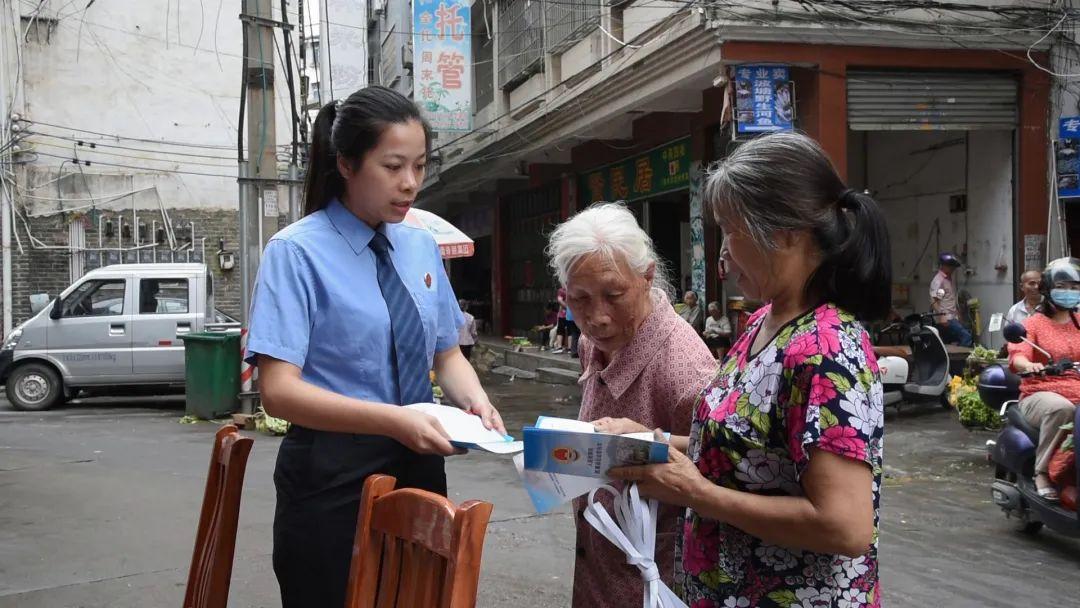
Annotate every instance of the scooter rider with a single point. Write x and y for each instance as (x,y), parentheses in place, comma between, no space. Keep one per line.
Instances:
(1047,402)
(943,301)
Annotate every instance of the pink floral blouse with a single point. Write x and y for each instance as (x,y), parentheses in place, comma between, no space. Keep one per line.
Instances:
(816,384)
(656,380)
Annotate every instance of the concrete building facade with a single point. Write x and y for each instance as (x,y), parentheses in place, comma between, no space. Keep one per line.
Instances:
(123,124)
(602,93)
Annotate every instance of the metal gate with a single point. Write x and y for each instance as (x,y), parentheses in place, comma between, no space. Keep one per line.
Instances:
(931,101)
(529,217)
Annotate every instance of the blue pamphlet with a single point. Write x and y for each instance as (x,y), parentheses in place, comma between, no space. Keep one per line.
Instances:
(571,452)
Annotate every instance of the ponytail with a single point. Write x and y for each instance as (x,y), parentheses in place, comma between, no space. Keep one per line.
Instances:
(856,267)
(323,181)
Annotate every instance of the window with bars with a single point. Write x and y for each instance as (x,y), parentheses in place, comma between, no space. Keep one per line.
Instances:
(521,41)
(567,22)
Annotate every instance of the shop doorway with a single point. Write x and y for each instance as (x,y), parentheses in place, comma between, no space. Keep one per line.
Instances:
(944,191)
(666,218)
(471,278)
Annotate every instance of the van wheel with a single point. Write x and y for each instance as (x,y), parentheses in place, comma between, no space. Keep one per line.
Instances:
(1031,528)
(34,387)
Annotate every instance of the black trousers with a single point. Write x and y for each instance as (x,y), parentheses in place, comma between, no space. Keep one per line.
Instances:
(319,478)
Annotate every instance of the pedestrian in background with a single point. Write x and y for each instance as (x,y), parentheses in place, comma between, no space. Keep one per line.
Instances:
(717,332)
(691,312)
(351,310)
(562,341)
(943,302)
(1029,304)
(573,332)
(467,333)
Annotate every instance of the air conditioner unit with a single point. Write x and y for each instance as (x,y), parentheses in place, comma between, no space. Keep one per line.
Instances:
(406,56)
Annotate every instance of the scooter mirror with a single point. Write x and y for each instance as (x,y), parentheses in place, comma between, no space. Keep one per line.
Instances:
(1014,333)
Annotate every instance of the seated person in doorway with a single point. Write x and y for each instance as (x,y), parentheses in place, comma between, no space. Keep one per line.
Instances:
(549,327)
(1029,286)
(1047,402)
(943,301)
(717,331)
(467,332)
(691,312)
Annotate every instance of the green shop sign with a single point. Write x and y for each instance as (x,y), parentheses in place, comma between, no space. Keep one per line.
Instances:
(660,170)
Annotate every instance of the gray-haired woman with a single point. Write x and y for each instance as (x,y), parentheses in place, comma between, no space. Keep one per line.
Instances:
(640,361)
(784,465)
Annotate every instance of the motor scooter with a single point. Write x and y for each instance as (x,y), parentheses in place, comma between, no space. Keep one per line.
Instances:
(928,378)
(1013,452)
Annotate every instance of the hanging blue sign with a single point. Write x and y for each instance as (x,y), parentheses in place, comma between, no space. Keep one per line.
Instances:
(442,63)
(1069,127)
(763,99)
(1067,157)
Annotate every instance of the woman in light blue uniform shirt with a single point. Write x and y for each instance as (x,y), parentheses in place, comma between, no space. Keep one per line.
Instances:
(350,312)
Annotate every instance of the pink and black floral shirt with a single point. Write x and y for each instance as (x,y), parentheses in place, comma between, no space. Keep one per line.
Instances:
(816,384)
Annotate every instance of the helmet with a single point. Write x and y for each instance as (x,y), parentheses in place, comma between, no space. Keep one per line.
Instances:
(1060,270)
(948,259)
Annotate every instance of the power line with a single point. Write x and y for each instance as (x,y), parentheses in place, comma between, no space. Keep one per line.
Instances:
(94,144)
(143,169)
(119,155)
(129,138)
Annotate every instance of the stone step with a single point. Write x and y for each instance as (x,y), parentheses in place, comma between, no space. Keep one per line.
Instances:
(557,375)
(514,372)
(532,361)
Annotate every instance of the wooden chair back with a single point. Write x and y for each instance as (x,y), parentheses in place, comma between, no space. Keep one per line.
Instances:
(215,540)
(415,549)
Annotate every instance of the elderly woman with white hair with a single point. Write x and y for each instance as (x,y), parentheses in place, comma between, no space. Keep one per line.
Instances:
(642,365)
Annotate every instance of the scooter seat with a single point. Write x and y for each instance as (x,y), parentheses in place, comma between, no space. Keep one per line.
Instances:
(1016,418)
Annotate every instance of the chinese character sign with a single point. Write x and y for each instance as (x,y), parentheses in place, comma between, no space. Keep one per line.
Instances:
(1067,157)
(442,63)
(661,170)
(763,99)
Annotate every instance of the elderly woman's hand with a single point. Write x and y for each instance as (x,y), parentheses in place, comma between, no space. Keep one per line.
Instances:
(619,426)
(676,483)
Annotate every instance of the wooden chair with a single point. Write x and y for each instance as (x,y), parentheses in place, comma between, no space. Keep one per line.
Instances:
(414,549)
(211,563)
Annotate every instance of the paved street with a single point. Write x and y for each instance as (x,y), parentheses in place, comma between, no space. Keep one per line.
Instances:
(99,502)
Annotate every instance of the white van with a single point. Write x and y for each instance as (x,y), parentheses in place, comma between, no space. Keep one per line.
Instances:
(117,326)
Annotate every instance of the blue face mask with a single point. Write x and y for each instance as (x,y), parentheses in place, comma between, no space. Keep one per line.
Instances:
(1065,298)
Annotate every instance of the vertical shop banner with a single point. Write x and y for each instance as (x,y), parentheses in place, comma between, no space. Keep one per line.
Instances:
(343,56)
(442,63)
(1066,153)
(763,99)
(1034,251)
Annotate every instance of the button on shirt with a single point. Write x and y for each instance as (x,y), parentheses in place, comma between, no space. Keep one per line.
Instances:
(941,288)
(317,302)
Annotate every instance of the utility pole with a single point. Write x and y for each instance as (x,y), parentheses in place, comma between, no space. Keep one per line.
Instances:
(261,142)
(257,172)
(10,101)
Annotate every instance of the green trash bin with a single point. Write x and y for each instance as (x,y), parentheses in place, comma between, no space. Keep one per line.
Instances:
(212,374)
